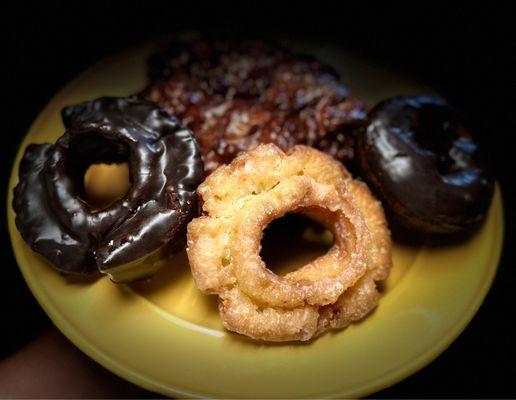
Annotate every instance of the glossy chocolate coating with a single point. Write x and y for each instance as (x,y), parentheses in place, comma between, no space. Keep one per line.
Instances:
(422,162)
(165,169)
(235,95)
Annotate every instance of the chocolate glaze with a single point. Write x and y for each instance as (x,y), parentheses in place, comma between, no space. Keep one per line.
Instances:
(423,163)
(165,169)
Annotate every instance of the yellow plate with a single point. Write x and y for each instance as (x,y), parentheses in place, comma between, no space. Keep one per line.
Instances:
(165,336)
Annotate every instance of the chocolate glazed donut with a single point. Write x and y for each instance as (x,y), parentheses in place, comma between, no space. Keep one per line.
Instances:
(165,169)
(423,164)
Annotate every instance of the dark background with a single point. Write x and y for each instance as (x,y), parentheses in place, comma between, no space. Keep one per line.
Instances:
(465,53)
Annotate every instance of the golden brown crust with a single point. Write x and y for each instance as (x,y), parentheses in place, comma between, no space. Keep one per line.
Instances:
(380,258)
(242,198)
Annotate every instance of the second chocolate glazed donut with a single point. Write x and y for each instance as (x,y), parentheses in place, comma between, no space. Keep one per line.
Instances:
(165,169)
(423,163)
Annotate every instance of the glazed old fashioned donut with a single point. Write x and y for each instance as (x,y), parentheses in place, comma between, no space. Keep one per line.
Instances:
(241,199)
(423,163)
(165,168)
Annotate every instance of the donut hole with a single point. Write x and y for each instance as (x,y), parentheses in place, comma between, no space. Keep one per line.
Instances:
(99,169)
(437,132)
(105,183)
(292,241)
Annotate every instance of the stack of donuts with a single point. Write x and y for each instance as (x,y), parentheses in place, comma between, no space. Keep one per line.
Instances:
(229,136)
